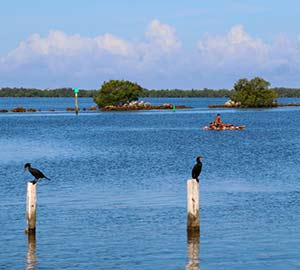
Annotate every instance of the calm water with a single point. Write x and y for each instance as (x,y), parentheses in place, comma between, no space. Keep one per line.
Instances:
(117,195)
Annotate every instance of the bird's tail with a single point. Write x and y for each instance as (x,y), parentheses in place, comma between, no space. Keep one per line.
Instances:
(47,178)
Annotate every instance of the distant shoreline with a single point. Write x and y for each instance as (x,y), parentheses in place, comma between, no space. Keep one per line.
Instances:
(241,107)
(12,92)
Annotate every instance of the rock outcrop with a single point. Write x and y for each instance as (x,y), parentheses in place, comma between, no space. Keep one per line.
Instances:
(135,105)
(231,103)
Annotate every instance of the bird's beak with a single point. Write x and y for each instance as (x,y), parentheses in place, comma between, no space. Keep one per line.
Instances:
(24,170)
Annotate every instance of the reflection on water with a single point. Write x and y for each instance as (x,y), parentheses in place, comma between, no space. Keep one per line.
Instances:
(193,250)
(115,174)
(31,257)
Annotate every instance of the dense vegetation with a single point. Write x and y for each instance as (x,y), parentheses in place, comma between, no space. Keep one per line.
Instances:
(287,92)
(68,92)
(117,92)
(253,93)
(33,92)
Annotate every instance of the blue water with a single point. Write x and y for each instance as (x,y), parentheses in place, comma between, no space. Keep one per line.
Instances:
(117,194)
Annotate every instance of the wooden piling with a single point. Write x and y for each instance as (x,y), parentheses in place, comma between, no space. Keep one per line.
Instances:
(31,207)
(193,213)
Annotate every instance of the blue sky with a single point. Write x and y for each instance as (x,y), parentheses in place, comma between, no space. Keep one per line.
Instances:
(156,43)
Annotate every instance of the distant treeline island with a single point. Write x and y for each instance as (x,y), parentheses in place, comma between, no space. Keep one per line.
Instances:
(68,92)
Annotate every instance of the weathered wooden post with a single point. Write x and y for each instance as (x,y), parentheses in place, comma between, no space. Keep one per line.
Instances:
(31,207)
(193,213)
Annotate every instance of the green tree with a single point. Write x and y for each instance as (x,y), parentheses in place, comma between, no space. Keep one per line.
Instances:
(117,92)
(254,93)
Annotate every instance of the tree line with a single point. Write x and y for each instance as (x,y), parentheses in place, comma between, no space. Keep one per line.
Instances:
(34,92)
(68,92)
(177,93)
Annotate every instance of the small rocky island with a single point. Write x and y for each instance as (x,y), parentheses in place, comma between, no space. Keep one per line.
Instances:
(132,106)
(254,93)
(141,105)
(121,95)
(232,104)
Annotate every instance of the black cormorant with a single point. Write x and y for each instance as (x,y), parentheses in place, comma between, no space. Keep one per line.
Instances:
(197,168)
(35,172)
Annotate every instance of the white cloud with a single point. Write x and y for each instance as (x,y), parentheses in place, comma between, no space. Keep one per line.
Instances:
(161,39)
(234,49)
(237,54)
(163,36)
(159,60)
(114,45)
(105,56)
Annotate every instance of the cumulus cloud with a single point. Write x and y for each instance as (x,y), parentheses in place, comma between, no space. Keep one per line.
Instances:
(113,45)
(102,57)
(234,49)
(157,60)
(57,43)
(237,54)
(163,37)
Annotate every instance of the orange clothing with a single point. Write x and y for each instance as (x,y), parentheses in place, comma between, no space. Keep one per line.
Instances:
(218,120)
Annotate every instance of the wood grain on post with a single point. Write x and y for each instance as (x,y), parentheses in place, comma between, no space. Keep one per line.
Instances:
(31,207)
(193,213)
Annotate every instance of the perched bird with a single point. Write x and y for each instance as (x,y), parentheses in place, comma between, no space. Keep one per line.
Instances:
(197,168)
(35,172)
